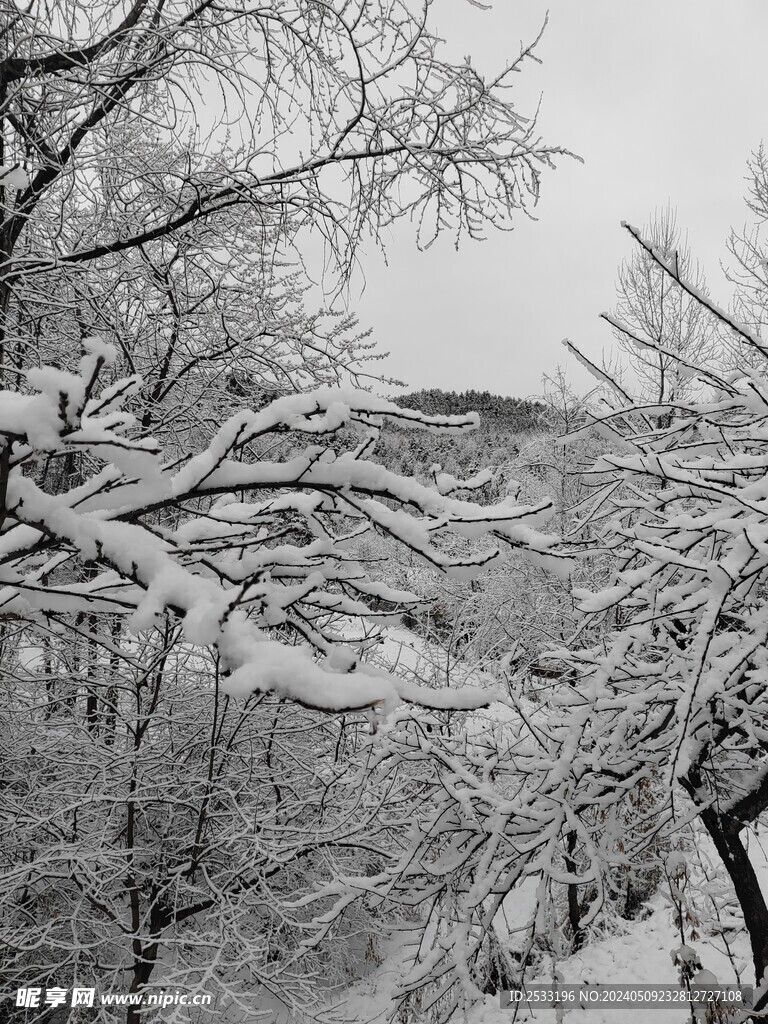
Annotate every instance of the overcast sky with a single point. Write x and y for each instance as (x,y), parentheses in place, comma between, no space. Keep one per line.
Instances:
(663,99)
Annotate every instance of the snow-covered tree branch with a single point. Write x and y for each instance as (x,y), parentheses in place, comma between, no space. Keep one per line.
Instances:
(235,545)
(680,684)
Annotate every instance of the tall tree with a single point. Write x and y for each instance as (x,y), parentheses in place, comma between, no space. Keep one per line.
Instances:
(684,515)
(748,271)
(252,562)
(161,163)
(655,321)
(150,118)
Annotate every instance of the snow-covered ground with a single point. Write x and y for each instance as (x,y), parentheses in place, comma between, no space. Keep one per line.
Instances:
(641,956)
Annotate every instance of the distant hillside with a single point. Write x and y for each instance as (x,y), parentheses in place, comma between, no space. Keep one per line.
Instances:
(505,423)
(497,412)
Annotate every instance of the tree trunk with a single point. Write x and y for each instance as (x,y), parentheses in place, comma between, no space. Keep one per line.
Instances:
(725,835)
(574,907)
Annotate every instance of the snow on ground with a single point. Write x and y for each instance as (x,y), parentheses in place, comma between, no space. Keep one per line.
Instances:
(407,654)
(641,956)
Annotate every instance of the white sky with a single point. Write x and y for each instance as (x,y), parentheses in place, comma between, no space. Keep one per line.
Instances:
(664,100)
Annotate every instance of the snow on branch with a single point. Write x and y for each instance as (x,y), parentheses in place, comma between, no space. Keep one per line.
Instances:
(678,680)
(670,266)
(255,557)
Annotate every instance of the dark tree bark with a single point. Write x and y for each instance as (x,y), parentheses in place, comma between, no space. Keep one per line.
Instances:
(725,830)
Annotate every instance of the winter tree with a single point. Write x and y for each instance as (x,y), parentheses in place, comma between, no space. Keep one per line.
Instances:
(177,549)
(120,579)
(680,684)
(660,720)
(655,320)
(747,270)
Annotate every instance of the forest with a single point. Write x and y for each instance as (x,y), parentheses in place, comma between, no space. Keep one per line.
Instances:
(325,700)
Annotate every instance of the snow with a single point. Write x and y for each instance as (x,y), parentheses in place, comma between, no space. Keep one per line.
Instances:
(737,326)
(220,573)
(13,176)
(641,956)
